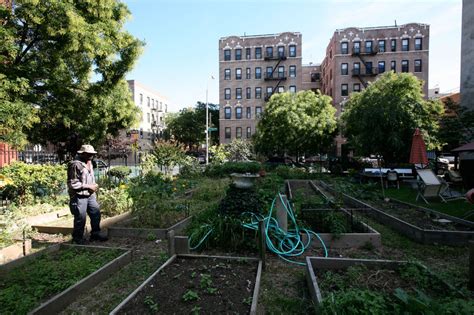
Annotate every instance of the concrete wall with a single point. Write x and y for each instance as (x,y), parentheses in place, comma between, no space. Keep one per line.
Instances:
(467,54)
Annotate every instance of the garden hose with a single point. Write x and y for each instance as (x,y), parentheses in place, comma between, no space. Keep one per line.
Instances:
(286,243)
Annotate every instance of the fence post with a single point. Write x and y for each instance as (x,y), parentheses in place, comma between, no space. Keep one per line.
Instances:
(262,241)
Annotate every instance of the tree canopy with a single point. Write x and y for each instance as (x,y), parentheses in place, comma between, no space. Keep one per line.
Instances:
(296,123)
(65,63)
(189,124)
(457,126)
(382,118)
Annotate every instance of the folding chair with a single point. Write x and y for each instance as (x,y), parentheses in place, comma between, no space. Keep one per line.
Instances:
(429,185)
(392,177)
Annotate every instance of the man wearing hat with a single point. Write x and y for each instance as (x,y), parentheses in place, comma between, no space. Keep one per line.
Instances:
(82,187)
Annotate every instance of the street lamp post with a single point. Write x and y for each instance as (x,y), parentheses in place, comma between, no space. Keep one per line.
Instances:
(207,120)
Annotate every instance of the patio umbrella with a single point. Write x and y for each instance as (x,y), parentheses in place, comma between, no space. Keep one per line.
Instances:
(418,149)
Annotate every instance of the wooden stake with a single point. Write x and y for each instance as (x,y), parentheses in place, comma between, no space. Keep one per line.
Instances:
(262,241)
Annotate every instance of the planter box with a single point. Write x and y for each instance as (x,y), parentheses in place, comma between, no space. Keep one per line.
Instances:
(318,263)
(15,251)
(177,275)
(145,233)
(59,301)
(412,231)
(67,227)
(343,240)
(47,217)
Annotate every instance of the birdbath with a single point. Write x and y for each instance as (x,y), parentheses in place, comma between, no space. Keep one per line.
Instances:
(244,181)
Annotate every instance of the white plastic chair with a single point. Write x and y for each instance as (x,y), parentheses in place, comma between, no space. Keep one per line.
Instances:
(429,185)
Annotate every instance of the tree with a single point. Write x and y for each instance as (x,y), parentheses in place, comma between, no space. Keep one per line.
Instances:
(50,50)
(456,126)
(382,118)
(189,125)
(296,123)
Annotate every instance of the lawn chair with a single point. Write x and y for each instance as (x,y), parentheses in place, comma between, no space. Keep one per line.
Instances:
(429,185)
(454,177)
(392,177)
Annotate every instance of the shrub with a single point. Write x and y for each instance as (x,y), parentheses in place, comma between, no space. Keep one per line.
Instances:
(239,200)
(114,201)
(120,172)
(30,181)
(220,170)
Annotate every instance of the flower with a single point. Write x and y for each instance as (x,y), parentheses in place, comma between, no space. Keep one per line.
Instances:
(5,181)
(123,186)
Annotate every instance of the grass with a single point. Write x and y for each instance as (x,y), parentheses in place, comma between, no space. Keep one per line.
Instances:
(457,208)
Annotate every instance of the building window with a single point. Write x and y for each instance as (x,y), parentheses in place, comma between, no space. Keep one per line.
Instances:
(356,48)
(248,92)
(393,66)
(247,53)
(292,50)
(238,113)
(148,117)
(381,46)
(368,46)
(258,92)
(269,91)
(238,93)
(228,113)
(292,88)
(238,54)
(356,87)
(292,71)
(405,45)
(148,101)
(227,74)
(227,54)
(344,90)
(404,65)
(269,51)
(281,72)
(418,44)
(417,65)
(238,74)
(258,53)
(227,94)
(238,132)
(381,66)
(281,51)
(356,69)
(247,73)
(368,67)
(258,73)
(227,132)
(269,72)
(344,48)
(249,132)
(248,113)
(281,89)
(315,77)
(393,45)
(344,69)
(258,112)
(141,99)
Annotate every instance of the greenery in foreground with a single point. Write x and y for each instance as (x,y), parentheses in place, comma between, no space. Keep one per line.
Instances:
(25,287)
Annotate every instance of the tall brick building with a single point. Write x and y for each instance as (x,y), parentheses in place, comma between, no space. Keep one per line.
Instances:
(251,69)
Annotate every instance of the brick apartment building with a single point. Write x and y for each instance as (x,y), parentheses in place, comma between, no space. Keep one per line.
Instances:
(356,56)
(251,69)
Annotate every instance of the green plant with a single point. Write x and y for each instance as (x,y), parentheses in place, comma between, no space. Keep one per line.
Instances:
(120,173)
(247,300)
(239,200)
(114,201)
(205,281)
(220,170)
(152,305)
(195,310)
(190,295)
(355,302)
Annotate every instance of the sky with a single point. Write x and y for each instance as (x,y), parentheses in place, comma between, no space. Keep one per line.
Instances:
(181,36)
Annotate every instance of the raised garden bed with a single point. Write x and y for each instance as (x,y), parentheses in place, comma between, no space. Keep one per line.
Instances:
(188,284)
(337,227)
(47,281)
(418,223)
(14,251)
(156,233)
(65,224)
(360,286)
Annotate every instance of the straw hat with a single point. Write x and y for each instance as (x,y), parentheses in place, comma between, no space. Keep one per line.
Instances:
(87,148)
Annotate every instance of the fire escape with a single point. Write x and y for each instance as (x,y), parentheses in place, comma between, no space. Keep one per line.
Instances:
(370,71)
(275,75)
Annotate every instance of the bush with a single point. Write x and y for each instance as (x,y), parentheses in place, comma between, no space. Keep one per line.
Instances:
(30,181)
(221,170)
(120,172)
(238,201)
(114,201)
(287,172)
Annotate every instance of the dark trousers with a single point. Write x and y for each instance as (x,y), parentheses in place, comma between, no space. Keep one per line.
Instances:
(80,206)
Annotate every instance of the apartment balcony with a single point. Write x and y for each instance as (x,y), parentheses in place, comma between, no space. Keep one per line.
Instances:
(275,57)
(275,77)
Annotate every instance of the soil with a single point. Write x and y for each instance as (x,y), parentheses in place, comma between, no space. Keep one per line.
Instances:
(418,217)
(168,219)
(203,285)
